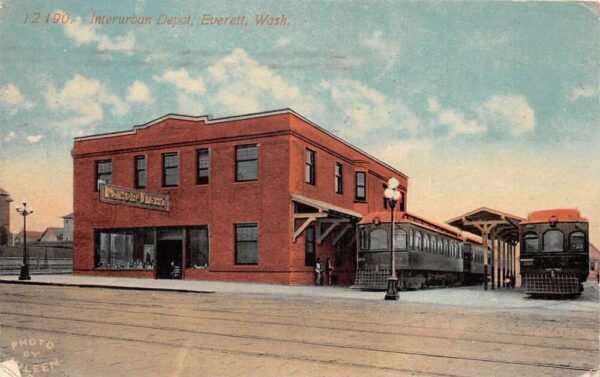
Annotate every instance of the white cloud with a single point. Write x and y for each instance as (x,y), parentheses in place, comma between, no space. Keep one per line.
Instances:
(584,91)
(182,80)
(243,85)
(13,100)
(84,34)
(387,50)
(34,138)
(283,41)
(458,124)
(11,135)
(139,92)
(359,110)
(86,98)
(433,106)
(362,108)
(509,111)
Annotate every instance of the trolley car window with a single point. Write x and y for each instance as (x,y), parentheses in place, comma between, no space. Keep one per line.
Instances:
(440,247)
(412,239)
(531,243)
(553,241)
(399,239)
(426,243)
(577,241)
(378,239)
(418,240)
(363,239)
(446,252)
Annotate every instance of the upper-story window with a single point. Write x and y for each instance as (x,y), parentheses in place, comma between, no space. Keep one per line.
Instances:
(310,166)
(553,240)
(339,178)
(577,241)
(361,186)
(203,164)
(246,162)
(103,172)
(170,169)
(402,202)
(140,172)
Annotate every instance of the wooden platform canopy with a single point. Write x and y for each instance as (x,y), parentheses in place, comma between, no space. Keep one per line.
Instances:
(499,231)
(327,217)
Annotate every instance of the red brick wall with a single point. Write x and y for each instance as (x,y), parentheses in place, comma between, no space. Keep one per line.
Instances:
(281,139)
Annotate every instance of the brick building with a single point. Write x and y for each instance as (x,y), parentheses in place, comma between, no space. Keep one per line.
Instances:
(255,197)
(5,201)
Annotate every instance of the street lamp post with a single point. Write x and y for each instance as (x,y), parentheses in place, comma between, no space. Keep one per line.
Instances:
(24,211)
(392,195)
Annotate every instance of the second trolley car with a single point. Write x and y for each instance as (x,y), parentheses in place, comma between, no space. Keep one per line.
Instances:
(554,252)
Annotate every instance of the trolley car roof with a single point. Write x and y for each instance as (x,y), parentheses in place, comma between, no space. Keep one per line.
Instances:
(560,215)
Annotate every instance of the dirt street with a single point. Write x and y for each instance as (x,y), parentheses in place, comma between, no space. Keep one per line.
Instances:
(67,331)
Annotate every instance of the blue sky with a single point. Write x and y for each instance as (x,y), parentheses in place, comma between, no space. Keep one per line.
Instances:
(480,103)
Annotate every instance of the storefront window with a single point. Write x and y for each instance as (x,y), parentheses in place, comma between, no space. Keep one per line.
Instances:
(197,247)
(125,249)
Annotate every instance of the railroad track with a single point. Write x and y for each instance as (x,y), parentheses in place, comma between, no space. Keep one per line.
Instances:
(331,328)
(195,310)
(271,339)
(344,323)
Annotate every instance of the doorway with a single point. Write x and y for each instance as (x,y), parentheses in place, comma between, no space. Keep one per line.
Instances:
(169,254)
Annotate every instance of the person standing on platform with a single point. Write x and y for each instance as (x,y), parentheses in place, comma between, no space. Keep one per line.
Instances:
(329,270)
(318,272)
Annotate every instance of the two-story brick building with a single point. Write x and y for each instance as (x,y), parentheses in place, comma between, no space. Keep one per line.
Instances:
(255,197)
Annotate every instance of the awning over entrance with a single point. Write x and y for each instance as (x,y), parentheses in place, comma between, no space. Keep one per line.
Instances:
(328,217)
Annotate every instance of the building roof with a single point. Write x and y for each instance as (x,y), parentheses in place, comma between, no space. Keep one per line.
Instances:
(561,215)
(324,206)
(5,194)
(207,119)
(52,232)
(505,225)
(69,216)
(32,234)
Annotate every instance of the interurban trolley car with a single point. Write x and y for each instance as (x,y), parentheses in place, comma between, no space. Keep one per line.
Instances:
(554,252)
(426,253)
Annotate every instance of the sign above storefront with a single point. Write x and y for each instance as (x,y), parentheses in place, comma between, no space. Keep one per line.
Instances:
(137,198)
